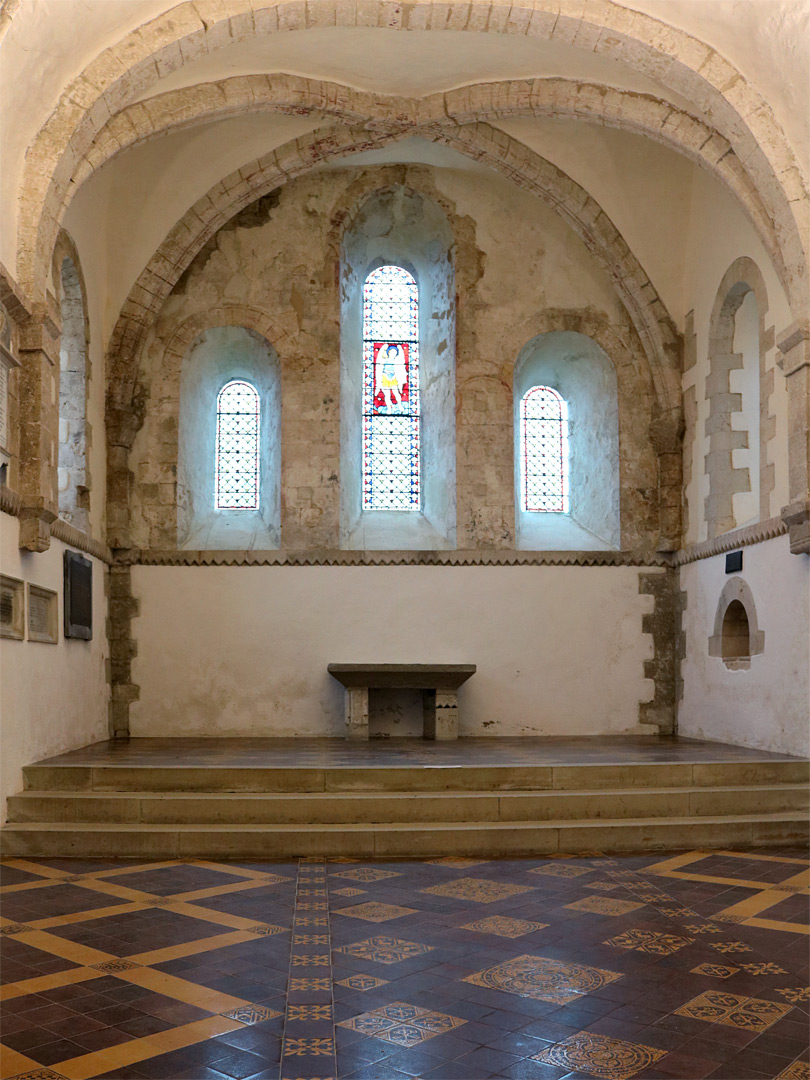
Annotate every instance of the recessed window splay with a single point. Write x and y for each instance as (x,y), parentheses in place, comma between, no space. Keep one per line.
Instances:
(390,390)
(237,454)
(544,450)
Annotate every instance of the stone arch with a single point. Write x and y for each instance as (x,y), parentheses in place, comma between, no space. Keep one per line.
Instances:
(741,279)
(74,436)
(157,443)
(648,313)
(693,69)
(736,594)
(627,110)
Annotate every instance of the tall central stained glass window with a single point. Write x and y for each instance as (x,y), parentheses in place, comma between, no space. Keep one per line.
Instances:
(390,390)
(237,453)
(544,450)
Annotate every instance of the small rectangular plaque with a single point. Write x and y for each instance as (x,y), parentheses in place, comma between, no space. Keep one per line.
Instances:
(42,615)
(12,608)
(734,562)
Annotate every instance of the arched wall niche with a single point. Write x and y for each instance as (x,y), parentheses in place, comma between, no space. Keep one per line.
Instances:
(738,389)
(171,461)
(735,626)
(579,370)
(401,226)
(74,436)
(220,355)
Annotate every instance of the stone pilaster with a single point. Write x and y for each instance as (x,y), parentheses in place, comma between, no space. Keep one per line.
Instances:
(794,360)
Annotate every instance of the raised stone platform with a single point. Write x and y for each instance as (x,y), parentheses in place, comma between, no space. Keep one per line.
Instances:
(287,797)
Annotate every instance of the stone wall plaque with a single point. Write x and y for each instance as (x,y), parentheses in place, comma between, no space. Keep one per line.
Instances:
(12,608)
(42,615)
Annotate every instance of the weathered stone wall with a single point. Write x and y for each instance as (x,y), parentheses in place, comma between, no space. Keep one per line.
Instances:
(274,269)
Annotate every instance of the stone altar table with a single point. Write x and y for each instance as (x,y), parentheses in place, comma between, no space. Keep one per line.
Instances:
(439,684)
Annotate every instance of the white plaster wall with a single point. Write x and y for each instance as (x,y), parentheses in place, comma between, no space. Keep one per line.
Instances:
(768,705)
(52,697)
(243,650)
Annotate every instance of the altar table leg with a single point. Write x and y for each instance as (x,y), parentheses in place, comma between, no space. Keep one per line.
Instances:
(357,712)
(440,710)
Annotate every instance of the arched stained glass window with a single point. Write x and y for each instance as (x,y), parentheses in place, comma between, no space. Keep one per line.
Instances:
(237,454)
(390,390)
(544,450)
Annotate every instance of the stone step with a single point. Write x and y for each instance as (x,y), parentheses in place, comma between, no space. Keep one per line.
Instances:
(391,840)
(312,808)
(412,779)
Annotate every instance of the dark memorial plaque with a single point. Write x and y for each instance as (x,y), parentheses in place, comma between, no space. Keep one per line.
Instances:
(78,596)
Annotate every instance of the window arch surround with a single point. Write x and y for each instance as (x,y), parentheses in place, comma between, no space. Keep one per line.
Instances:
(736,612)
(401,226)
(742,281)
(578,380)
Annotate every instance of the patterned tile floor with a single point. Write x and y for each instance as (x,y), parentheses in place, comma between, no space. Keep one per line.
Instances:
(383,753)
(676,966)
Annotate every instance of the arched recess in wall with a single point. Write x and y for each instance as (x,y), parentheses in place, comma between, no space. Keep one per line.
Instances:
(738,388)
(736,636)
(400,227)
(218,357)
(73,483)
(584,377)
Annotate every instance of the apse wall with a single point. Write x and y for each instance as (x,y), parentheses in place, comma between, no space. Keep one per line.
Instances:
(764,704)
(54,697)
(243,650)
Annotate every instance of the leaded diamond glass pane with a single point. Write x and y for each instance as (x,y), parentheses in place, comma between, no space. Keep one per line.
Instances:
(237,453)
(390,390)
(544,450)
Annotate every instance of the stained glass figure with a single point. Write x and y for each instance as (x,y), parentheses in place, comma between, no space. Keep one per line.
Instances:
(237,454)
(390,390)
(544,450)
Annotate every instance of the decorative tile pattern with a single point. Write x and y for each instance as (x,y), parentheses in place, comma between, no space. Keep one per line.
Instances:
(730,946)
(403,1024)
(267,930)
(308,1047)
(716,971)
(14,928)
(374,912)
(768,968)
(362,982)
(478,889)
(558,870)
(604,905)
(677,912)
(649,941)
(543,979)
(597,1055)
(252,1014)
(502,926)
(309,984)
(601,886)
(349,892)
(796,994)
(702,928)
(385,950)
(365,873)
(306,1012)
(731,1010)
(112,967)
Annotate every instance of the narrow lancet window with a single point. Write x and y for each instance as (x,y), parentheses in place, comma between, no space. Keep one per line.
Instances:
(544,450)
(237,453)
(390,390)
